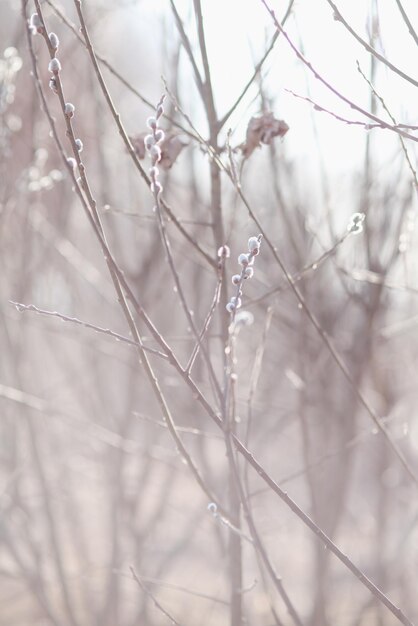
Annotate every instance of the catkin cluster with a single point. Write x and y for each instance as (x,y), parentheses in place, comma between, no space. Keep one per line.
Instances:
(246,261)
(36,26)
(152,143)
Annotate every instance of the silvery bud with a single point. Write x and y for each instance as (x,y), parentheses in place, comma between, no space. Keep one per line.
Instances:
(54,66)
(245,259)
(149,141)
(54,41)
(69,109)
(224,251)
(152,123)
(253,244)
(72,162)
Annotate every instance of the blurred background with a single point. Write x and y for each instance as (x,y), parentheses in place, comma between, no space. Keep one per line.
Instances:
(91,481)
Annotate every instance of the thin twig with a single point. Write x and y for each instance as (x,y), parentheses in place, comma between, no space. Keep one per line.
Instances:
(181,429)
(407,21)
(74,320)
(401,139)
(206,324)
(153,598)
(192,592)
(340,118)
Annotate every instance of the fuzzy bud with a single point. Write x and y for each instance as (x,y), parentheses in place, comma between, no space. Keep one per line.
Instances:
(212,508)
(155,153)
(54,41)
(224,252)
(159,136)
(153,172)
(248,272)
(72,162)
(236,302)
(79,145)
(230,307)
(35,24)
(244,318)
(245,259)
(54,66)
(152,123)
(149,141)
(355,225)
(253,243)
(156,188)
(53,84)
(236,279)
(69,109)
(35,20)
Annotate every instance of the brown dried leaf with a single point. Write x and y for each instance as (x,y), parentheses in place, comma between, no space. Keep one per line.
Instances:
(262,129)
(138,144)
(170,149)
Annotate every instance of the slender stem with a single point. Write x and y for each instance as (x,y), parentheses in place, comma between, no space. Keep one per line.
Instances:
(407,21)
(74,320)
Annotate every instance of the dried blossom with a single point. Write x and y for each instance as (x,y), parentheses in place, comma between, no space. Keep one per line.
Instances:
(261,130)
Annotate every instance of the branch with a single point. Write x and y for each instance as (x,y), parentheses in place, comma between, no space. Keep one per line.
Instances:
(153,598)
(74,320)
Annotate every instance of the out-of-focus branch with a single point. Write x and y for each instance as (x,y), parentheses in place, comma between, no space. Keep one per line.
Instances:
(153,598)
(335,91)
(74,320)
(407,21)
(339,18)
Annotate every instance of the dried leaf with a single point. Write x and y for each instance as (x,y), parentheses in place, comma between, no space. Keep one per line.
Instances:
(138,144)
(262,129)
